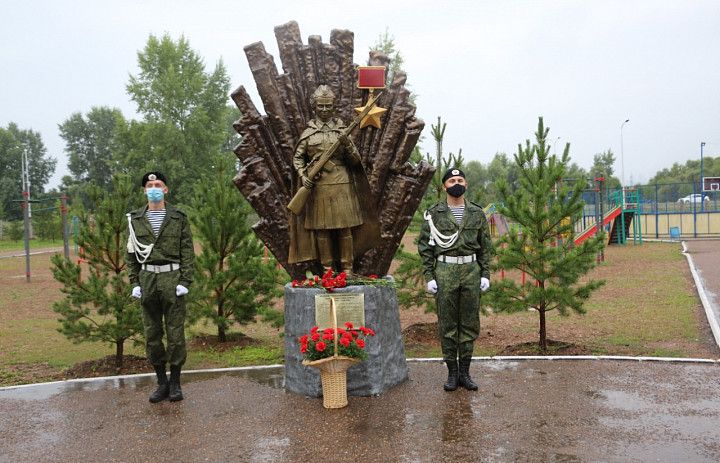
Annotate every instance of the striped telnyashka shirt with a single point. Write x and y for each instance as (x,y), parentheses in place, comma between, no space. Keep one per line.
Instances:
(156,219)
(457,212)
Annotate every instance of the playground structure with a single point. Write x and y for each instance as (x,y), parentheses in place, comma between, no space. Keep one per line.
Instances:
(622,213)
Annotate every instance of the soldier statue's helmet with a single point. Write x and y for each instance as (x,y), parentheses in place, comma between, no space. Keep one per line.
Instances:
(323,95)
(454,172)
(154,175)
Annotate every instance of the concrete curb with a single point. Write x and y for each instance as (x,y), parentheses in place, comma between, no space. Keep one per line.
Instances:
(499,358)
(140,375)
(710,311)
(511,358)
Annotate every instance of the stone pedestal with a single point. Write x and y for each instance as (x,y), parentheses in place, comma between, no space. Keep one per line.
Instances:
(385,366)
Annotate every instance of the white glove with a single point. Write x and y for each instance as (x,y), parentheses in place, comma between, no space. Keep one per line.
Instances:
(484,284)
(180,290)
(136,292)
(432,287)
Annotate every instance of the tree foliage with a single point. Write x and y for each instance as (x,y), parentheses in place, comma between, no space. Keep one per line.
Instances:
(13,142)
(385,43)
(97,304)
(185,114)
(234,281)
(543,206)
(47,223)
(90,144)
(15,230)
(603,164)
(677,180)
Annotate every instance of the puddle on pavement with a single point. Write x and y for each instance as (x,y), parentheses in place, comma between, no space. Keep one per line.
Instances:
(268,376)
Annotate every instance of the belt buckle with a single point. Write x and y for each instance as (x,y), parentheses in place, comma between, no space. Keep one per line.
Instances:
(157,268)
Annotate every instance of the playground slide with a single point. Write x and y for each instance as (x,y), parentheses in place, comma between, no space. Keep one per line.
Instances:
(592,230)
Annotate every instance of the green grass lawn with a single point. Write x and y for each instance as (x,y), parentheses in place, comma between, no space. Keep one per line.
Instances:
(7,245)
(648,307)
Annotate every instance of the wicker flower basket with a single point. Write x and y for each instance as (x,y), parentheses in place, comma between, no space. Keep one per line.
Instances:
(333,372)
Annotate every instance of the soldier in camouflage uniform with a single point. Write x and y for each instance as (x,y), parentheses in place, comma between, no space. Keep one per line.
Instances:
(455,248)
(160,263)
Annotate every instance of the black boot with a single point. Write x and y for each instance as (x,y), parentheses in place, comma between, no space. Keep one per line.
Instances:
(452,381)
(163,390)
(175,390)
(465,379)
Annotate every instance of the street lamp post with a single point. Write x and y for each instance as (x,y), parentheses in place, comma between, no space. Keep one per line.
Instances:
(702,179)
(622,161)
(26,211)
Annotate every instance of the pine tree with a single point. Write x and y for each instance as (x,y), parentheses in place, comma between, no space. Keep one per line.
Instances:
(234,281)
(98,306)
(542,246)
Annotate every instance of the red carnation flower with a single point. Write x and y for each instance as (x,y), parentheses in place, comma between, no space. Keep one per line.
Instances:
(304,339)
(320,346)
(314,329)
(315,337)
(341,331)
(360,343)
(355,334)
(327,336)
(370,332)
(303,348)
(345,342)
(328,330)
(295,283)
(349,325)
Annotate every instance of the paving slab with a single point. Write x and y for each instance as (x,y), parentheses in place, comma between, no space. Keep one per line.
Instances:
(526,410)
(704,262)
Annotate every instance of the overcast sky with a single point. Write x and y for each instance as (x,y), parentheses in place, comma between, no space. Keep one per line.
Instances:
(488,68)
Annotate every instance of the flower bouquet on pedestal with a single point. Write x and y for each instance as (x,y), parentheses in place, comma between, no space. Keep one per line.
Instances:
(333,351)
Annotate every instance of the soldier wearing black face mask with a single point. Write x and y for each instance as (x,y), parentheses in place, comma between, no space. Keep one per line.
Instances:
(455,248)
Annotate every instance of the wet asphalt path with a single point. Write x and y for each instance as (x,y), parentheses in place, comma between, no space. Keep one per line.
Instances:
(533,410)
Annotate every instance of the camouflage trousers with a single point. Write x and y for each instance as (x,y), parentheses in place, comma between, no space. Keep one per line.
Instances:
(163,312)
(458,308)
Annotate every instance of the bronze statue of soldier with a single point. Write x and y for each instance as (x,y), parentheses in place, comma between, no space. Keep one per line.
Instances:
(338,222)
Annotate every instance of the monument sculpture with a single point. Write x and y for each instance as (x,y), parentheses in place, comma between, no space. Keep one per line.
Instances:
(271,170)
(328,194)
(332,181)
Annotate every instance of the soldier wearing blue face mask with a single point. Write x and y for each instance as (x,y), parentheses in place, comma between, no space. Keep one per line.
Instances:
(160,265)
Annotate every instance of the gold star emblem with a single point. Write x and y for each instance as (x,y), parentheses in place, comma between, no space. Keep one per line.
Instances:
(372,118)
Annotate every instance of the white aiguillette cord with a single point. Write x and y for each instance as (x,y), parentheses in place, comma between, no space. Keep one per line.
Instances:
(142,251)
(443,241)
